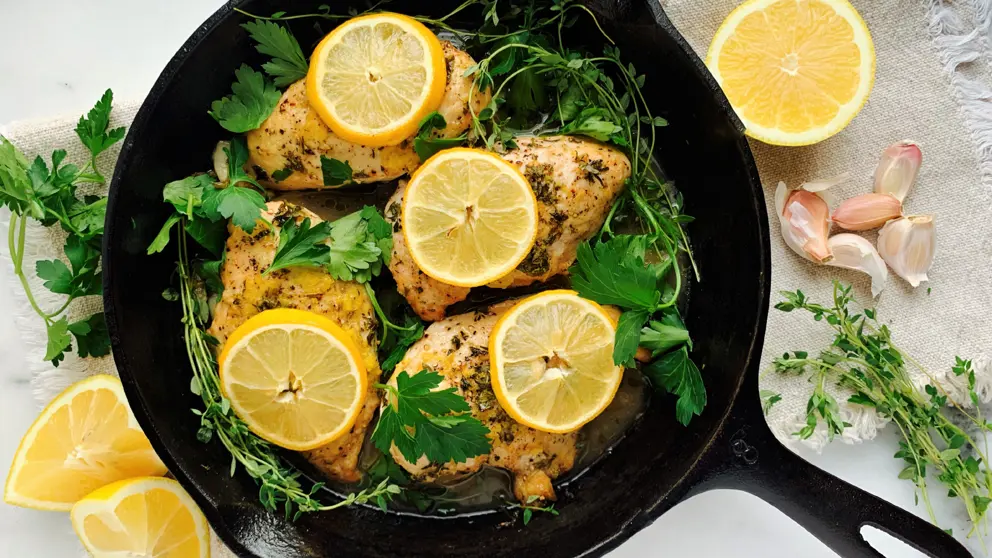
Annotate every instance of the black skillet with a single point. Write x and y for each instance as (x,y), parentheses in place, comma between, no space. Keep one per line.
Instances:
(657,465)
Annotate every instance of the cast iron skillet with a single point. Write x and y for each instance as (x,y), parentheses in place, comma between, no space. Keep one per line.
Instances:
(657,465)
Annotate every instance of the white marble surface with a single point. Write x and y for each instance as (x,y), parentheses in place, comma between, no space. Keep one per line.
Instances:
(59,56)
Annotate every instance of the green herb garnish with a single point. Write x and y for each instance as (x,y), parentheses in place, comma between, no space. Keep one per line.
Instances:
(288,63)
(425,145)
(864,359)
(425,421)
(48,195)
(335,172)
(253,100)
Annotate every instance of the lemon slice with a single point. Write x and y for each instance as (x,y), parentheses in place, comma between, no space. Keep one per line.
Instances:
(551,361)
(374,78)
(84,439)
(469,217)
(144,516)
(294,377)
(795,71)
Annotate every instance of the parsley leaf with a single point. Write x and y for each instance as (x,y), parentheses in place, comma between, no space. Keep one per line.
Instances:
(405,340)
(58,341)
(282,174)
(661,336)
(82,280)
(593,122)
(243,206)
(302,245)
(360,243)
(253,100)
(56,274)
(186,195)
(628,336)
(425,145)
(92,338)
(237,157)
(210,234)
(161,240)
(335,172)
(425,421)
(92,128)
(678,375)
(613,272)
(288,63)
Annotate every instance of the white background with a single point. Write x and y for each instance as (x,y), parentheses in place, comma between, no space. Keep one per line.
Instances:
(58,56)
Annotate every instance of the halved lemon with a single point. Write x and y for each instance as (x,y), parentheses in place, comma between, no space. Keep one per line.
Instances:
(795,71)
(374,78)
(551,361)
(469,217)
(84,439)
(144,516)
(294,377)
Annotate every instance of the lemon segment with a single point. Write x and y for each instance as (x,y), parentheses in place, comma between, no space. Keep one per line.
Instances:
(296,378)
(374,78)
(144,516)
(469,217)
(795,71)
(84,439)
(551,361)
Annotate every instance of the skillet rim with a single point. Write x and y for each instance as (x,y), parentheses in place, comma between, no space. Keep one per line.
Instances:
(627,529)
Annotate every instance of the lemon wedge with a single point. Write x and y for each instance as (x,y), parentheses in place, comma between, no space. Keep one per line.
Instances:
(469,217)
(795,71)
(84,439)
(374,78)
(144,516)
(551,361)
(295,378)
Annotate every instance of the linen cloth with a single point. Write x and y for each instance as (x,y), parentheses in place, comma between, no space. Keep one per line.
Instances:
(932,85)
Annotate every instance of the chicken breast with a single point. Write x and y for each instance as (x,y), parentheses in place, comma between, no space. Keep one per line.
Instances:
(294,137)
(575,180)
(457,348)
(247,292)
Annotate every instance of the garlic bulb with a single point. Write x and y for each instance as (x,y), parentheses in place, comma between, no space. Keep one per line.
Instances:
(853,252)
(867,211)
(804,217)
(897,169)
(908,246)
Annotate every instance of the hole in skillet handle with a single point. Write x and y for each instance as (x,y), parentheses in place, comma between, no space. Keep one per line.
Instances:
(746,456)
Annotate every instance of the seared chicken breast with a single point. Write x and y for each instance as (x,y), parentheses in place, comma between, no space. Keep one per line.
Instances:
(247,292)
(457,348)
(294,137)
(575,181)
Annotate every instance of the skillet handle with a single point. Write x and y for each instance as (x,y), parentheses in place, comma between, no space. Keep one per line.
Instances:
(746,456)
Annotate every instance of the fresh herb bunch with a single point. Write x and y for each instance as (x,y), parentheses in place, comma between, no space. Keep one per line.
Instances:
(279,482)
(422,420)
(864,359)
(49,196)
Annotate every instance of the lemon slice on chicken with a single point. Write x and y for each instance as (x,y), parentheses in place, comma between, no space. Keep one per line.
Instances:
(374,78)
(551,361)
(294,377)
(469,217)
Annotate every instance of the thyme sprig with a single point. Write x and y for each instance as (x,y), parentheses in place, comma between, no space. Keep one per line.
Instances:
(864,359)
(279,482)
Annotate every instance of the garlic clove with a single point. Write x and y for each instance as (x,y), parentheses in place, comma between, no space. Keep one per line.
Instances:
(908,245)
(804,217)
(853,252)
(897,169)
(220,161)
(867,211)
(822,185)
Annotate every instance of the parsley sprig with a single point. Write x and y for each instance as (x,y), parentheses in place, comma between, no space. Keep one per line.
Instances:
(48,194)
(423,420)
(864,359)
(279,482)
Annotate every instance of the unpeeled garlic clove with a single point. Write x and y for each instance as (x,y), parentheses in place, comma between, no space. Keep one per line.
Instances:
(221,168)
(897,169)
(805,222)
(853,252)
(867,211)
(908,245)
